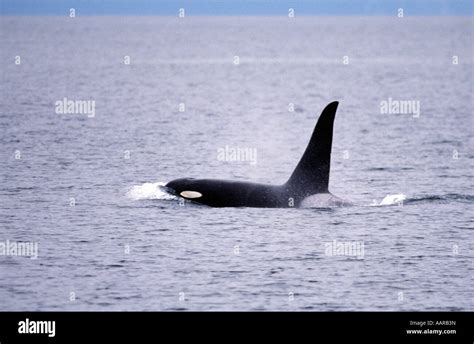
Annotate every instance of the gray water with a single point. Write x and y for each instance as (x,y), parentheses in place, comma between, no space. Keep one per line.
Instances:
(85,189)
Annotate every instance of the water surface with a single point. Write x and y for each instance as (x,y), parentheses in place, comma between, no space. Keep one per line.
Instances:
(120,251)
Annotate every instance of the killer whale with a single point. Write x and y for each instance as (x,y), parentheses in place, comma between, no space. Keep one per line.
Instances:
(309,179)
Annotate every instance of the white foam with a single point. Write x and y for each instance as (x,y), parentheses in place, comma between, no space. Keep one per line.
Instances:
(323,200)
(391,200)
(149,191)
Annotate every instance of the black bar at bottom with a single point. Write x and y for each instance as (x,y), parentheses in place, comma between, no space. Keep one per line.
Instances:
(403,327)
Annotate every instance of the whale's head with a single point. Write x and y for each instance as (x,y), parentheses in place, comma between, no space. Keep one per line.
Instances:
(187,188)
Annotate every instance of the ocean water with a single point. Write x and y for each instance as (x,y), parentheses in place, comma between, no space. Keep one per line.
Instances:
(85,189)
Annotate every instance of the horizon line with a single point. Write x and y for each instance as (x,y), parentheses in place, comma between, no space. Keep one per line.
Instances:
(238,7)
(250,15)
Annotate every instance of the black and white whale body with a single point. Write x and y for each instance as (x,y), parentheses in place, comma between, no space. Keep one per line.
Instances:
(307,186)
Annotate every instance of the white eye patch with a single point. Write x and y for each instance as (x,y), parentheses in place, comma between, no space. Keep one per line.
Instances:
(191,194)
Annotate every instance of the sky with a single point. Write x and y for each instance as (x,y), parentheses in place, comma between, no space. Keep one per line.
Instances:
(236,7)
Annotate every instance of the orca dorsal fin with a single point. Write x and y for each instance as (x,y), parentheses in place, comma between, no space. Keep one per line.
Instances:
(311,175)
